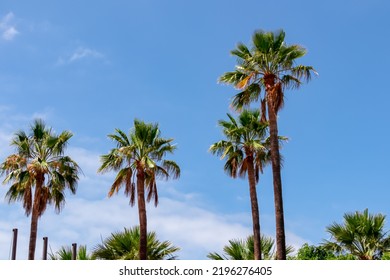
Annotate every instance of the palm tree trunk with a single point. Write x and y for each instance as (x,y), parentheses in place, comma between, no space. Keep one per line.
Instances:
(142,215)
(255,209)
(35,216)
(277,181)
(33,233)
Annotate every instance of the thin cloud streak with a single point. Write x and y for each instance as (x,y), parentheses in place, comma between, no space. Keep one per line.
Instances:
(80,53)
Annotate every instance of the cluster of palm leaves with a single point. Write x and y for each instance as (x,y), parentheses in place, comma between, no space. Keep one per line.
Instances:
(122,245)
(66,253)
(362,236)
(244,249)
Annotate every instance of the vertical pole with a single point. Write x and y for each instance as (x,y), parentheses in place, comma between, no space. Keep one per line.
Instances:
(44,255)
(74,251)
(14,243)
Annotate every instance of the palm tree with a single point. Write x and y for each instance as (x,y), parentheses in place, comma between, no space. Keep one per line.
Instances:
(139,157)
(269,67)
(39,173)
(240,249)
(362,235)
(246,153)
(65,253)
(125,246)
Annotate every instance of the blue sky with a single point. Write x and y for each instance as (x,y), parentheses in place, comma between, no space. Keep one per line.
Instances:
(93,68)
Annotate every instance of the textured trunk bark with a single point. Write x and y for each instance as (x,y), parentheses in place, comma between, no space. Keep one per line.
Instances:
(33,234)
(142,215)
(277,181)
(35,216)
(255,209)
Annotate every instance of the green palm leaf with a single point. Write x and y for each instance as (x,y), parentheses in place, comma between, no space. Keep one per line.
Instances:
(124,245)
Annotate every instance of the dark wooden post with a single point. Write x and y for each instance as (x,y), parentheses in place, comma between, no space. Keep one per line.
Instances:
(14,243)
(44,255)
(74,251)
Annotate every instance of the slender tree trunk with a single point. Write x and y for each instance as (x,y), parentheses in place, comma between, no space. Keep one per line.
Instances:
(33,233)
(277,181)
(142,215)
(35,216)
(255,209)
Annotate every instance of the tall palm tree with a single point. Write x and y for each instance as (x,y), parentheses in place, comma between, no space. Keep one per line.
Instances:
(263,72)
(139,157)
(246,153)
(39,173)
(124,245)
(362,235)
(243,249)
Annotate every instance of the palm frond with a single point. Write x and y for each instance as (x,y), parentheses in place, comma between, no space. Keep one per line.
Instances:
(303,73)
(124,245)
(244,98)
(171,168)
(243,249)
(232,78)
(152,192)
(122,178)
(242,51)
(263,42)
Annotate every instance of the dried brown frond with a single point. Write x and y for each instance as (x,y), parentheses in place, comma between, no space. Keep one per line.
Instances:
(275,97)
(27,200)
(263,111)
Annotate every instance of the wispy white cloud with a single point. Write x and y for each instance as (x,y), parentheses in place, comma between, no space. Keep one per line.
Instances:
(80,53)
(10,33)
(7,27)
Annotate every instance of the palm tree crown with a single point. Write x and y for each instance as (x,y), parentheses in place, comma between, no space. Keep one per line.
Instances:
(362,235)
(246,140)
(142,151)
(243,249)
(269,63)
(65,253)
(124,245)
(39,173)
